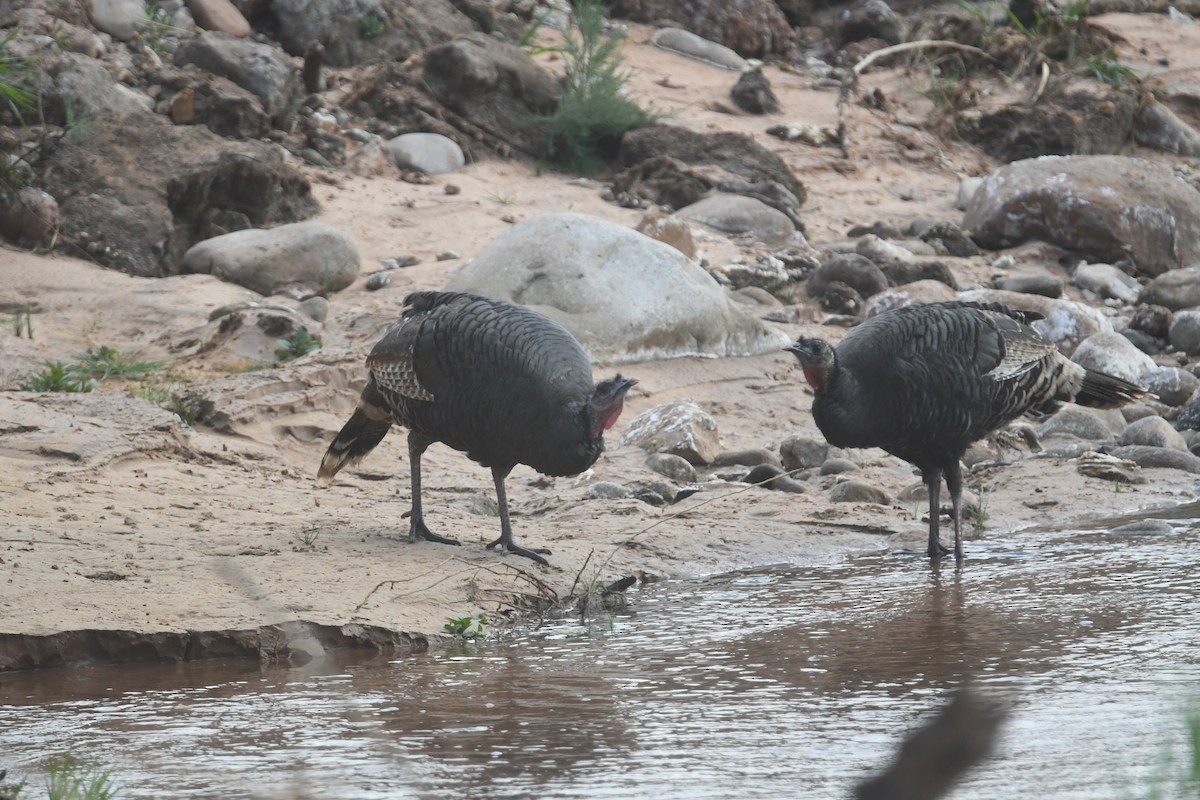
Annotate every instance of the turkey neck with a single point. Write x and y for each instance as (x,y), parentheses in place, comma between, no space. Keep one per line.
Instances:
(839,408)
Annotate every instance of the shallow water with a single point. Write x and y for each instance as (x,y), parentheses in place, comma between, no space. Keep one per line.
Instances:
(781,682)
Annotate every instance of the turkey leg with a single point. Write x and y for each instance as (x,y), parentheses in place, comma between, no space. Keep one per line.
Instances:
(933,481)
(417,445)
(506,536)
(954,484)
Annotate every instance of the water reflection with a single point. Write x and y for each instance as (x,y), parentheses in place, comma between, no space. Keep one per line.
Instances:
(790,682)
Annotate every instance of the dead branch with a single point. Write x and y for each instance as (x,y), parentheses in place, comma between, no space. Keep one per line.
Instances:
(850,82)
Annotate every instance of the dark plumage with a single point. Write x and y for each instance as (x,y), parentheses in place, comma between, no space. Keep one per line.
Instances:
(501,383)
(925,381)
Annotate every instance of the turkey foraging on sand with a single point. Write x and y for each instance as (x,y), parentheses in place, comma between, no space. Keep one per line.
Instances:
(925,381)
(501,383)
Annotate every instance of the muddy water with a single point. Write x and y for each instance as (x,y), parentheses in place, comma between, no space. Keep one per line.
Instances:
(782,682)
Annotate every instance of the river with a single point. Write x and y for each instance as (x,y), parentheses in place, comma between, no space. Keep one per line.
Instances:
(788,681)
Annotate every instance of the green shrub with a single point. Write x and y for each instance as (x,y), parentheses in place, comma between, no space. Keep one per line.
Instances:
(105,362)
(298,344)
(15,73)
(594,111)
(59,377)
(70,780)
(95,364)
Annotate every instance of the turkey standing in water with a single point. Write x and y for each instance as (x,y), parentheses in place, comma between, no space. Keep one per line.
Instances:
(925,381)
(501,383)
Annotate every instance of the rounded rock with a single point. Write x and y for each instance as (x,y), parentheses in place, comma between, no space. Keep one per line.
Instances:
(1184,333)
(1152,432)
(858,492)
(801,452)
(430,153)
(672,466)
(838,466)
(1112,354)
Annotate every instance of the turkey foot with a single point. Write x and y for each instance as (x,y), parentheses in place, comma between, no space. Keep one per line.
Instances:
(517,550)
(937,550)
(420,529)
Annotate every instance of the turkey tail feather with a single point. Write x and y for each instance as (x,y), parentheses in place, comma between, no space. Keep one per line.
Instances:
(1106,391)
(358,437)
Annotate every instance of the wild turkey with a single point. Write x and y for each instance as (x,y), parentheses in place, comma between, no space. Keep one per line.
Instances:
(925,381)
(501,383)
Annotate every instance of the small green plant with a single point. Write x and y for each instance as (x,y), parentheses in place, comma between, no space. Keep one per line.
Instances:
(21,321)
(1109,70)
(298,344)
(155,395)
(68,779)
(16,76)
(94,364)
(77,126)
(371,26)
(15,73)
(466,627)
(1023,28)
(189,406)
(58,377)
(594,110)
(1075,10)
(156,28)
(105,362)
(186,405)
(308,537)
(978,513)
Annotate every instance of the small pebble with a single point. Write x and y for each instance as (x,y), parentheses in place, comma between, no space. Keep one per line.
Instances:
(378,280)
(837,466)
(606,490)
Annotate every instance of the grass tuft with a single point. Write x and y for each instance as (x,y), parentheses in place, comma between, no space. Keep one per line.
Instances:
(298,344)
(105,362)
(68,779)
(59,377)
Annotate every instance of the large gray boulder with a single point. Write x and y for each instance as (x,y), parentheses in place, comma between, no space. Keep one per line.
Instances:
(261,259)
(625,296)
(236,192)
(355,31)
(496,86)
(258,68)
(1113,206)
(736,214)
(73,89)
